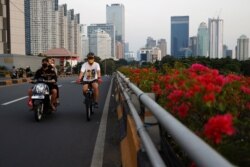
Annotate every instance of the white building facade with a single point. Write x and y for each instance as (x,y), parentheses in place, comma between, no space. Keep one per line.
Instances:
(50,25)
(100,44)
(215,28)
(242,52)
(108,28)
(12,27)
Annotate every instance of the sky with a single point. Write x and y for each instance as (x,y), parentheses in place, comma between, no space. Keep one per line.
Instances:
(144,18)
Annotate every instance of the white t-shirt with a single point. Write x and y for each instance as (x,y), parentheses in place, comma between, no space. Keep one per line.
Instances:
(90,71)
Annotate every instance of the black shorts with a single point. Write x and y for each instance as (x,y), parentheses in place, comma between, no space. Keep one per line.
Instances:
(90,82)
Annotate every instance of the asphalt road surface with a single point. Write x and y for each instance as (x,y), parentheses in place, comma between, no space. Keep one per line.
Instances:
(63,139)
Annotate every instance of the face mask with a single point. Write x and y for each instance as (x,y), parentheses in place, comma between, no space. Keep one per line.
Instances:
(45,65)
(91,61)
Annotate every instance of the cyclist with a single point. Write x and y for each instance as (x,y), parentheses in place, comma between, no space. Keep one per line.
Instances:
(91,73)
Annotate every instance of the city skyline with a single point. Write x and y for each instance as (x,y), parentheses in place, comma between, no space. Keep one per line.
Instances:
(144,18)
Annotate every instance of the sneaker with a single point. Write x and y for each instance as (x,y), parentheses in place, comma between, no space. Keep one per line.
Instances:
(95,105)
(30,104)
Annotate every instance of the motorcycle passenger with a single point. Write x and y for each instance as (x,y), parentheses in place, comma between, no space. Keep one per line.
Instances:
(91,73)
(48,74)
(53,67)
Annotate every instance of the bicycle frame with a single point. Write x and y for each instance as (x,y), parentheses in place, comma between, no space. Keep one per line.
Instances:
(89,99)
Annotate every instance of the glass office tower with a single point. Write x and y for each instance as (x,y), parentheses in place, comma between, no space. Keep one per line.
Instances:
(115,14)
(202,40)
(179,35)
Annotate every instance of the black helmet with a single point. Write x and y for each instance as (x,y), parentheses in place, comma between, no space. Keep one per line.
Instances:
(91,55)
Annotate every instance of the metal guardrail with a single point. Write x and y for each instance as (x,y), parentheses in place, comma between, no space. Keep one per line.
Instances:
(150,148)
(199,151)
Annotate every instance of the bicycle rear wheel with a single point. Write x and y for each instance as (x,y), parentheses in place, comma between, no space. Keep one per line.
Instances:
(89,111)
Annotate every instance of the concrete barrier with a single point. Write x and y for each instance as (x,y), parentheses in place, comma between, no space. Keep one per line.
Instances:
(130,142)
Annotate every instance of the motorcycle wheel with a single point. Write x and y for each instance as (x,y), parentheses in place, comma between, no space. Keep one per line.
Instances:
(38,112)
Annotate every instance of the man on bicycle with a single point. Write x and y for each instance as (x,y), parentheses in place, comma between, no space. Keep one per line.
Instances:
(91,73)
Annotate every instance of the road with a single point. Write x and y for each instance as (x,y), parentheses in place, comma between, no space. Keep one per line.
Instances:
(63,139)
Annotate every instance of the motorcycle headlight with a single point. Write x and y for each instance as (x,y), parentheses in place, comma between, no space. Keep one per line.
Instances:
(41,89)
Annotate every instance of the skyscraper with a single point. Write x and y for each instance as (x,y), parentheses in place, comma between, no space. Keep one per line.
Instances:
(242,52)
(115,14)
(215,28)
(12,28)
(193,45)
(179,35)
(162,44)
(49,25)
(100,44)
(108,28)
(62,27)
(150,43)
(202,40)
(40,23)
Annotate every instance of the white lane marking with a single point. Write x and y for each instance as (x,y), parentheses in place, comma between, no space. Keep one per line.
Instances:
(97,158)
(73,81)
(59,86)
(13,101)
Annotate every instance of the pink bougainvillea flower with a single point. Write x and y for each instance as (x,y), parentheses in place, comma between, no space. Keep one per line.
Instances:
(217,126)
(245,89)
(157,89)
(210,97)
(183,110)
(175,95)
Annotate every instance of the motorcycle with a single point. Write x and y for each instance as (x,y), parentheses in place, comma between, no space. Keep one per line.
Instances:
(14,75)
(41,98)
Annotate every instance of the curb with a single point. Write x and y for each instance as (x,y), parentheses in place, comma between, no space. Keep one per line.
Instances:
(14,81)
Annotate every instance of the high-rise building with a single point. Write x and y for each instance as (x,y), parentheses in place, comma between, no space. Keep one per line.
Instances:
(115,14)
(62,27)
(50,25)
(41,29)
(108,28)
(162,44)
(12,29)
(150,43)
(100,44)
(77,35)
(215,29)
(71,30)
(85,42)
(179,35)
(126,47)
(202,40)
(242,52)
(193,45)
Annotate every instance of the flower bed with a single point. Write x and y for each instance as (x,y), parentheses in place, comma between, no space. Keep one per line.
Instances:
(216,107)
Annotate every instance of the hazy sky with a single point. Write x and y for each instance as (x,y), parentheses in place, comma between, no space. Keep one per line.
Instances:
(145,18)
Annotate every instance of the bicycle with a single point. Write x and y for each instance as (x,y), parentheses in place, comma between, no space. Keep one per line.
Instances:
(89,101)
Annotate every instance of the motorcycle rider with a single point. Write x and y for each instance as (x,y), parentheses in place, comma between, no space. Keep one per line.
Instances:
(14,73)
(48,74)
(91,73)
(53,67)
